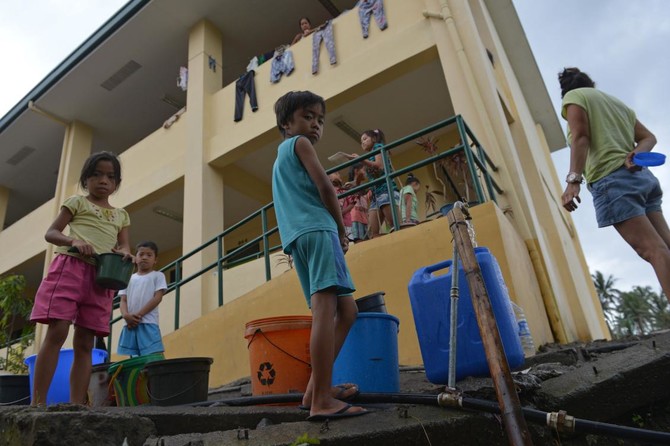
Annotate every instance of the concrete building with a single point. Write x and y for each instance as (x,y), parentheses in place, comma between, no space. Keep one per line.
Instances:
(190,171)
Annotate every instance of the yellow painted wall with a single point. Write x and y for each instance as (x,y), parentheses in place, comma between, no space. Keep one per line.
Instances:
(384,264)
(152,164)
(20,242)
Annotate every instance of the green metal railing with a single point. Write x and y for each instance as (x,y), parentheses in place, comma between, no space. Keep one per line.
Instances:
(478,163)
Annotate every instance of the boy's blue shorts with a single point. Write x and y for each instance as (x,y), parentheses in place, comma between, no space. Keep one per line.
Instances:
(319,262)
(144,339)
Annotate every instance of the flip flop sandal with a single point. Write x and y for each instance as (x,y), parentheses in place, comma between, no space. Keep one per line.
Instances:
(342,413)
(346,388)
(343,388)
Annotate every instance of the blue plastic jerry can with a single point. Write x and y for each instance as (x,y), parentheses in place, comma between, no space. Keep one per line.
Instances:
(430,299)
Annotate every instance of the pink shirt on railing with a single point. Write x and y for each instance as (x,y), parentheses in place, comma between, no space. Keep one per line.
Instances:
(360,211)
(345,202)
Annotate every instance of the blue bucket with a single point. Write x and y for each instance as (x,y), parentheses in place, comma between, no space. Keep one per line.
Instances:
(430,298)
(59,390)
(369,356)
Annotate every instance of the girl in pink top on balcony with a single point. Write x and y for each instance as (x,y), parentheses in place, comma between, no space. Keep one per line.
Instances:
(359,214)
(346,203)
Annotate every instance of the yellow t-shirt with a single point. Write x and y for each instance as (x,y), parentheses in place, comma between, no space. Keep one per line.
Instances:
(612,129)
(93,224)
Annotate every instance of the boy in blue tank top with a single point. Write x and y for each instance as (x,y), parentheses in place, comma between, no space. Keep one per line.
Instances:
(312,232)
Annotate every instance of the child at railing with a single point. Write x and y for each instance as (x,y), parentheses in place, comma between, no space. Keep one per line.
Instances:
(346,203)
(408,201)
(380,209)
(69,294)
(312,231)
(359,214)
(139,305)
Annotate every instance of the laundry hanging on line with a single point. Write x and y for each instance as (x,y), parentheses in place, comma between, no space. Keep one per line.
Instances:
(367,8)
(182,79)
(245,85)
(282,63)
(323,33)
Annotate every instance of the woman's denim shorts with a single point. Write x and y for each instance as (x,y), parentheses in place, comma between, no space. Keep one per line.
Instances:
(382,199)
(623,195)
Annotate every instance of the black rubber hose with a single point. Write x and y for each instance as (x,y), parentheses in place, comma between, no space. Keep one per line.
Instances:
(581,425)
(595,427)
(534,415)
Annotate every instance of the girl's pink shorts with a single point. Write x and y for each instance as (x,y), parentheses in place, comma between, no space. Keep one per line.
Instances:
(69,293)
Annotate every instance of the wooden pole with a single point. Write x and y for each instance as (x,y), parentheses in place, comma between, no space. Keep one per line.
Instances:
(510,407)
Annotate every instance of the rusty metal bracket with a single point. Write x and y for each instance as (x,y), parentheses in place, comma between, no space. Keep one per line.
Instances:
(242,433)
(561,421)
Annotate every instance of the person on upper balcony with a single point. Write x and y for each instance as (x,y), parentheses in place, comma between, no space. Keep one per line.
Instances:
(605,136)
(305,30)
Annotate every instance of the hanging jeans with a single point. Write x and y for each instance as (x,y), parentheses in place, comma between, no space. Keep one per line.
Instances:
(325,34)
(282,63)
(366,8)
(245,85)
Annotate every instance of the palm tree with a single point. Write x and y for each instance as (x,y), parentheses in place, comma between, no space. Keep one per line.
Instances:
(635,309)
(623,327)
(608,296)
(660,311)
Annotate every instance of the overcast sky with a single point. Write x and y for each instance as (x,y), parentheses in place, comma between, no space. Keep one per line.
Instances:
(623,45)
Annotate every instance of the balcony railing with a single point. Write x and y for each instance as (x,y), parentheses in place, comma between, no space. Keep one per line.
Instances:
(478,163)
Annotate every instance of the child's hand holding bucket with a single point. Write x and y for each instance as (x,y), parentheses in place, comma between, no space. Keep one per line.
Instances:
(127,256)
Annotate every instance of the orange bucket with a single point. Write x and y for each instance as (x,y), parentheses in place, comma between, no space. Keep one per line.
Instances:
(279,354)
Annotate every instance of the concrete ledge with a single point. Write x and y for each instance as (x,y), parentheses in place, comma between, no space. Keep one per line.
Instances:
(387,425)
(611,385)
(177,420)
(68,424)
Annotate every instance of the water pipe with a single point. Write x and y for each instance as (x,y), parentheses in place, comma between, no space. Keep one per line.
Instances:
(513,420)
(558,421)
(453,327)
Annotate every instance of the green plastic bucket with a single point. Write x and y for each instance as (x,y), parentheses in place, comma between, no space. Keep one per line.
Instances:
(112,271)
(178,381)
(130,381)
